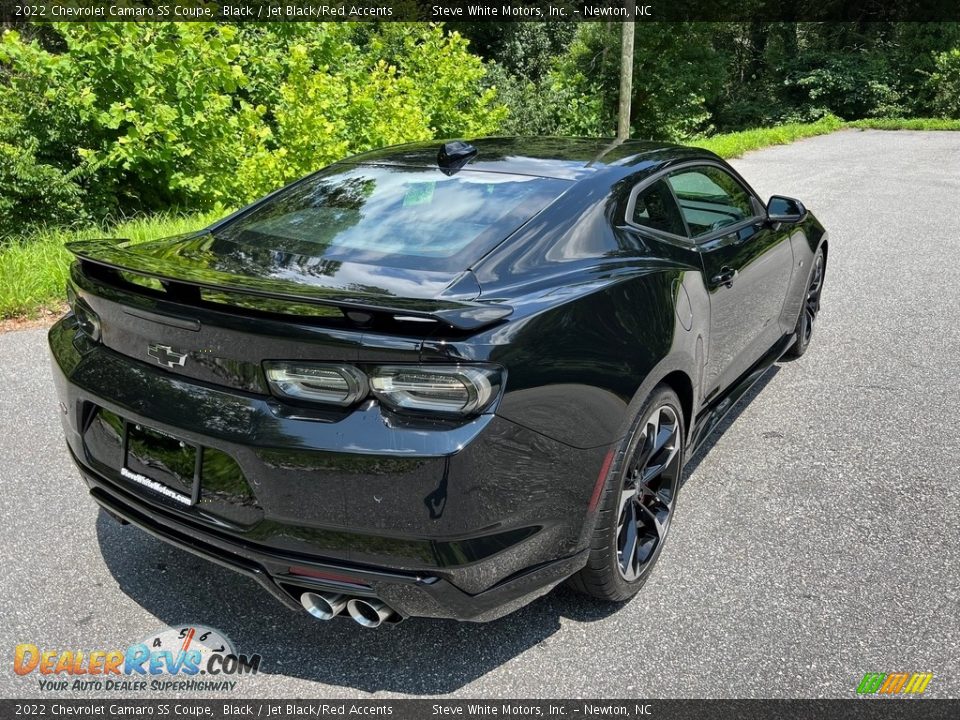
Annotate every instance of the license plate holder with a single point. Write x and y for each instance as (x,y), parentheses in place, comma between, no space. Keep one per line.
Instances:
(162,463)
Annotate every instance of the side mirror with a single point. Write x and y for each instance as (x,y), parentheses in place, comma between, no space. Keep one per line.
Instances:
(785,210)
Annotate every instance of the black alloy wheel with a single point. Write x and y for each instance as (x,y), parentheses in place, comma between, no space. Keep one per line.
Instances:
(638,504)
(811,306)
(647,497)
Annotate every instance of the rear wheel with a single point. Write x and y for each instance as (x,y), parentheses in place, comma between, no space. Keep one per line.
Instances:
(638,501)
(811,306)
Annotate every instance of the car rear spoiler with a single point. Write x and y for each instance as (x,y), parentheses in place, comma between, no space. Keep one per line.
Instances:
(115,255)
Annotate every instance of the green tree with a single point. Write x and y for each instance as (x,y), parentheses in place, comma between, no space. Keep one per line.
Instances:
(130,117)
(676,74)
(945,83)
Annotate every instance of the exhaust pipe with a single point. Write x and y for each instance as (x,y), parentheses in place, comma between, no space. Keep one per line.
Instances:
(369,613)
(323,606)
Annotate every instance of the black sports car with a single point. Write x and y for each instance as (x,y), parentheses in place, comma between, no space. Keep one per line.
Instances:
(434,380)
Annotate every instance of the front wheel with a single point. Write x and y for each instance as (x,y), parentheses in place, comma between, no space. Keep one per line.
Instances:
(811,306)
(638,502)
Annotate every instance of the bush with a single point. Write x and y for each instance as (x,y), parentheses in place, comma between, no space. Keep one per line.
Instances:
(675,74)
(945,83)
(143,113)
(852,86)
(127,117)
(555,105)
(334,92)
(32,192)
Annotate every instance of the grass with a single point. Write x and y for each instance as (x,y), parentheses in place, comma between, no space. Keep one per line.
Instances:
(33,270)
(735,144)
(905,124)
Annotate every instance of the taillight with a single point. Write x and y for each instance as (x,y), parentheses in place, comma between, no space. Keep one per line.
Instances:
(331,384)
(451,390)
(87,320)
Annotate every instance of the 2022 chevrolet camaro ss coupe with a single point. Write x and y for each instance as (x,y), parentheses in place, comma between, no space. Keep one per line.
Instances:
(434,380)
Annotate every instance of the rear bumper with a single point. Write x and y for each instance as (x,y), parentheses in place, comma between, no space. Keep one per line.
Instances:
(408,594)
(467,522)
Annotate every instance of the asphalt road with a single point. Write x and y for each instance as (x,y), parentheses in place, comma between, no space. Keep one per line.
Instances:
(817,539)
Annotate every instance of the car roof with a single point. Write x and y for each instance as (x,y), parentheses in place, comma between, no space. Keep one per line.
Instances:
(556,157)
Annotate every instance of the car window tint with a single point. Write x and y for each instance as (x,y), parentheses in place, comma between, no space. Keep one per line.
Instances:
(655,208)
(710,199)
(406,217)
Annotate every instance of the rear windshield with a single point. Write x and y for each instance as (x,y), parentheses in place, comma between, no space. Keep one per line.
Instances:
(394,216)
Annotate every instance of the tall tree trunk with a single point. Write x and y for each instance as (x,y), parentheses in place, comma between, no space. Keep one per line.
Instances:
(756,60)
(626,80)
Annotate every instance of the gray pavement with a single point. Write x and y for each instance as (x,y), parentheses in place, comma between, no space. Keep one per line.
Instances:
(817,539)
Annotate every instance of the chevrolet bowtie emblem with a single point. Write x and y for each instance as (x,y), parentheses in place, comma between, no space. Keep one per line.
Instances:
(166,355)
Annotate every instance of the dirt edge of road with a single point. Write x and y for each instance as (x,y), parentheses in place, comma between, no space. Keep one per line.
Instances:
(46,318)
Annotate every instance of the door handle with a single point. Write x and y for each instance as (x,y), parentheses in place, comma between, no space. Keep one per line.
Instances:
(724,277)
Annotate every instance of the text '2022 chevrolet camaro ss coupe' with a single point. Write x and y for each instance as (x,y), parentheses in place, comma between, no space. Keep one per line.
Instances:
(434,380)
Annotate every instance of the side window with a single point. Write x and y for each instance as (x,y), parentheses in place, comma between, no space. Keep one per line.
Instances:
(655,208)
(710,199)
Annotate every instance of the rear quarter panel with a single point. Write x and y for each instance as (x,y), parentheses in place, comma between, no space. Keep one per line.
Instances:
(806,238)
(578,355)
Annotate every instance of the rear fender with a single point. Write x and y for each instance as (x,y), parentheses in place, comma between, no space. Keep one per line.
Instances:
(575,369)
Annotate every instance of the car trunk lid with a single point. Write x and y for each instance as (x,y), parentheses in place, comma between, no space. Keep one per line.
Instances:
(204,268)
(195,310)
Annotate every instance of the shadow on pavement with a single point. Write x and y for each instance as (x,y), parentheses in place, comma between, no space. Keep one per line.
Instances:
(417,657)
(694,462)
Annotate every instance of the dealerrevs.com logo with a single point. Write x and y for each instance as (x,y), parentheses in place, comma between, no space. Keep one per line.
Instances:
(192,657)
(900,683)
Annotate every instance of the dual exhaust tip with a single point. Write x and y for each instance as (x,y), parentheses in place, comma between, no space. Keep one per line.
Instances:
(368,612)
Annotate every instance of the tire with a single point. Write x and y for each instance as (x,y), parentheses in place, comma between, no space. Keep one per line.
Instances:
(811,306)
(656,440)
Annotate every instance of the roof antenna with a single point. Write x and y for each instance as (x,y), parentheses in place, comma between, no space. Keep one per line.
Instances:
(454,155)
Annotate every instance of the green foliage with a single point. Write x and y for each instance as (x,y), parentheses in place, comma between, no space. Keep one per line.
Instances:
(853,85)
(522,49)
(141,115)
(945,83)
(679,73)
(445,79)
(34,269)
(32,192)
(675,72)
(521,60)
(782,72)
(555,105)
(335,90)
(698,78)
(912,54)
(735,144)
(126,117)
(110,119)
(925,124)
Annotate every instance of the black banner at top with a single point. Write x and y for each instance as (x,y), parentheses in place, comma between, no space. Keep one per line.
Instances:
(18,11)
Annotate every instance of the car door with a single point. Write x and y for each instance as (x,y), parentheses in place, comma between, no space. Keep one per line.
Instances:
(746,266)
